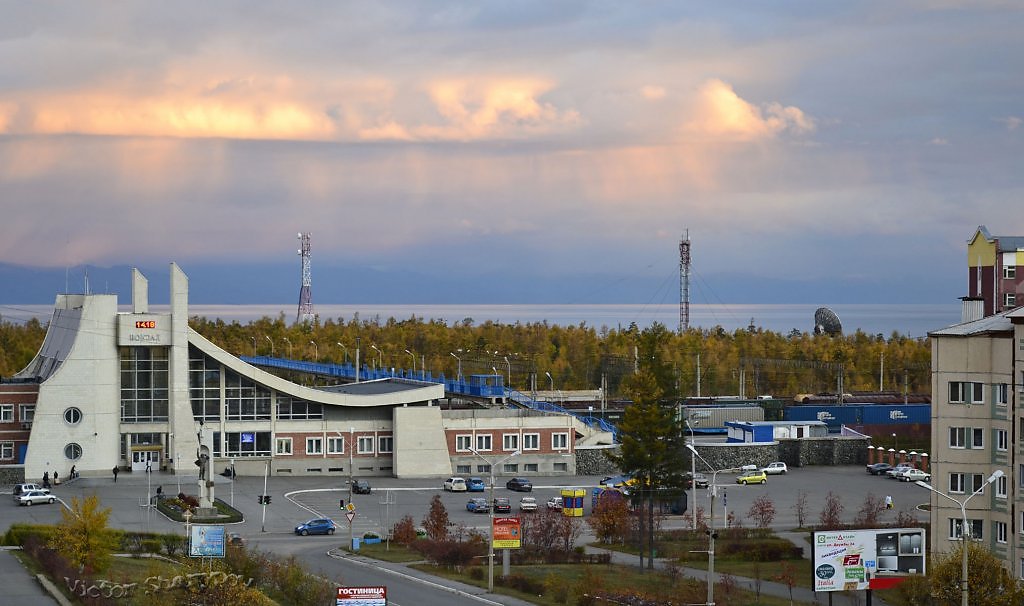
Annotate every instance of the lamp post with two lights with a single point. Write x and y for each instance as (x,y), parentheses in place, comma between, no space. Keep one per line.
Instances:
(712,535)
(490,546)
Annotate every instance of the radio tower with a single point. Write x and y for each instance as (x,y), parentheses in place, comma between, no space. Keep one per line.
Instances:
(684,283)
(306,292)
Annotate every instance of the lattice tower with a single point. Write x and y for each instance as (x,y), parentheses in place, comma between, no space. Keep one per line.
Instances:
(306,291)
(684,282)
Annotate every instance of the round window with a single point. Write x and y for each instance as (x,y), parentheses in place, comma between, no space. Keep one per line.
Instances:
(73,416)
(73,452)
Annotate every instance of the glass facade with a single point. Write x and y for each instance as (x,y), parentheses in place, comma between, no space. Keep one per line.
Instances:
(244,400)
(144,377)
(204,386)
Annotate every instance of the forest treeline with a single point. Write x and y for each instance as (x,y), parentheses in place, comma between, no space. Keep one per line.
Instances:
(575,357)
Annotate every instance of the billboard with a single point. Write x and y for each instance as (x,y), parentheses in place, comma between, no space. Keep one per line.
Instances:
(362,596)
(865,559)
(206,541)
(507,533)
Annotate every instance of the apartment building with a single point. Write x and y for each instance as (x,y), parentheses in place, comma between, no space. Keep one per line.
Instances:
(993,276)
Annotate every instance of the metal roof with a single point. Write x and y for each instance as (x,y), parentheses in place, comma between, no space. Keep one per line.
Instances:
(991,324)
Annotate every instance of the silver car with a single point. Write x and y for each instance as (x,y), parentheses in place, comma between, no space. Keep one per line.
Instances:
(32,497)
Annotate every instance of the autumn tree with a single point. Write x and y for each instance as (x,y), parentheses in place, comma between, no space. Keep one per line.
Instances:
(436,522)
(989,583)
(829,518)
(82,536)
(870,512)
(762,510)
(610,519)
(800,508)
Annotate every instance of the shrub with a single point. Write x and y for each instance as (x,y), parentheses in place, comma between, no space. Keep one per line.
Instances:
(404,532)
(18,533)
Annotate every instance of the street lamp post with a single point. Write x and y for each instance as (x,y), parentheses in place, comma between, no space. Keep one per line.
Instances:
(413,356)
(551,379)
(490,547)
(358,339)
(380,355)
(288,341)
(316,351)
(267,337)
(459,374)
(965,530)
(253,346)
(713,487)
(342,345)
(693,475)
(508,383)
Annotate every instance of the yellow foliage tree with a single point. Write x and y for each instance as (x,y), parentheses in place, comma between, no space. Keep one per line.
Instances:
(83,536)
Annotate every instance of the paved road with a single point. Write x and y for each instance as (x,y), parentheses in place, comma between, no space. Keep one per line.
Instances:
(392,498)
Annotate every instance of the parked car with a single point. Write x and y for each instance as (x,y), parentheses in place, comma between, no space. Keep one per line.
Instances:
(749,468)
(554,503)
(527,504)
(316,526)
(519,485)
(700,480)
(502,505)
(752,477)
(477,505)
(455,484)
(897,471)
(361,487)
(23,488)
(879,469)
(776,468)
(32,497)
(476,485)
(915,475)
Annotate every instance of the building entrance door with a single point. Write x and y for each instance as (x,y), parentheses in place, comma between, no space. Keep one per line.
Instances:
(145,455)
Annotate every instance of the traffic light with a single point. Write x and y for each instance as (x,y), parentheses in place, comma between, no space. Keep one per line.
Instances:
(260,498)
(266,499)
(341,504)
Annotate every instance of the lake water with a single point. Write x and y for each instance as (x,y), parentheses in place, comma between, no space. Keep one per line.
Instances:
(911,320)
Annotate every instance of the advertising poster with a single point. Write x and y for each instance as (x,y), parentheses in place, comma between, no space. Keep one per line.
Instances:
(852,560)
(362,596)
(507,533)
(206,541)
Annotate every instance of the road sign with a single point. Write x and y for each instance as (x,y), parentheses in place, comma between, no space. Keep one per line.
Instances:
(351,515)
(351,506)
(507,533)
(362,596)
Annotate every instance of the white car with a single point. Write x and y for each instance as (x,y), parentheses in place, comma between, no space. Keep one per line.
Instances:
(914,475)
(20,489)
(34,496)
(776,468)
(528,504)
(896,472)
(455,484)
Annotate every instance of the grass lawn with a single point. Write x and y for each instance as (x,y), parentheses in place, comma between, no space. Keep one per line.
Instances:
(395,553)
(563,580)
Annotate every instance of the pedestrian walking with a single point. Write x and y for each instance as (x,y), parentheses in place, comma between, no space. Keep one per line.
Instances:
(73,472)
(149,467)
(159,492)
(888,502)
(56,482)
(46,479)
(115,473)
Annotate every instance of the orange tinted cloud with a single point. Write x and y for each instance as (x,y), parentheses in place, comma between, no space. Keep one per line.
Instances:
(722,114)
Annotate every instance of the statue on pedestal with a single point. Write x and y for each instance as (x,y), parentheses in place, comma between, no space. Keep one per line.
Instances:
(205,495)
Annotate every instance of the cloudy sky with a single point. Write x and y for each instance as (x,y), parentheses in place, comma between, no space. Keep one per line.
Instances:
(851,145)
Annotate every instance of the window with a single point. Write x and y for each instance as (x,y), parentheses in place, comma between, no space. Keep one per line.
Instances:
(364,445)
(1000,532)
(956,482)
(1009,272)
(561,467)
(977,482)
(283,446)
(1009,299)
(510,441)
(1001,394)
(144,378)
(314,446)
(463,443)
(245,443)
(531,441)
(958,437)
(1001,487)
(483,442)
(510,468)
(6,450)
(483,469)
(385,444)
(6,413)
(559,441)
(974,529)
(336,445)
(244,400)
(294,409)
(27,413)
(469,469)
(961,391)
(977,438)
(204,386)
(73,452)
(528,467)
(73,416)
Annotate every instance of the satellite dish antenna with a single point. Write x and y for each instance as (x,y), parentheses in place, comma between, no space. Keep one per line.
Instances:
(826,322)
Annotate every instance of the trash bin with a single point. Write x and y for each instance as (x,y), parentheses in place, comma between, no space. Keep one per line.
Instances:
(355,543)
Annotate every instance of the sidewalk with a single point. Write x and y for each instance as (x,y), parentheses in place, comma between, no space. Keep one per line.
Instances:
(20,587)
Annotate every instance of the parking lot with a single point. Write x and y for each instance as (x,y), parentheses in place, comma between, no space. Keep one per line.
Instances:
(392,498)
